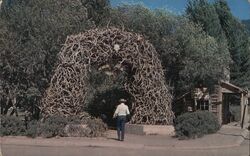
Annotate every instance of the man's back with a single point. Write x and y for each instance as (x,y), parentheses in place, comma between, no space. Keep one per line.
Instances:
(121,109)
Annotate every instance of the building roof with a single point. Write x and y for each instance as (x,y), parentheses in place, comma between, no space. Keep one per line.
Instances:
(226,88)
(232,88)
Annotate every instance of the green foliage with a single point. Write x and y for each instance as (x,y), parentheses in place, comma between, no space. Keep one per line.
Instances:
(152,24)
(218,21)
(188,54)
(73,130)
(88,128)
(238,44)
(247,24)
(196,124)
(31,35)
(12,125)
(53,126)
(98,10)
(97,127)
(204,13)
(32,129)
(196,57)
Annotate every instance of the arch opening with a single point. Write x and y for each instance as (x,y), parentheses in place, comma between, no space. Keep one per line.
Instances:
(104,104)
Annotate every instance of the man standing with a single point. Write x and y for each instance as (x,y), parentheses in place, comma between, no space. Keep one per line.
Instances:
(120,113)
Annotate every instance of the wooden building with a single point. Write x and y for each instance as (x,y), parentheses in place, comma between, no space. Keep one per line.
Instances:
(217,101)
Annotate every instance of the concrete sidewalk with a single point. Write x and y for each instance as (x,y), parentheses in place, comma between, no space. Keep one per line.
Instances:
(228,136)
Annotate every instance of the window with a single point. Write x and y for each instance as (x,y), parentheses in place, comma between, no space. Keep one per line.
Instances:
(202,105)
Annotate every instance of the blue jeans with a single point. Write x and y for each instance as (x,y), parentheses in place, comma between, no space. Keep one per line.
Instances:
(120,123)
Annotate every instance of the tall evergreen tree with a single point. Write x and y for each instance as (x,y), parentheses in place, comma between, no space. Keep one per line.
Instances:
(247,24)
(238,44)
(200,11)
(204,13)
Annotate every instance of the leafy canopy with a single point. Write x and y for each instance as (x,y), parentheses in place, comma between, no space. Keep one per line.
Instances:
(188,54)
(32,33)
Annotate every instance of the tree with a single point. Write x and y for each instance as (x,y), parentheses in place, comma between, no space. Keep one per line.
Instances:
(188,54)
(238,44)
(98,10)
(204,13)
(156,26)
(247,24)
(201,12)
(218,21)
(197,57)
(33,33)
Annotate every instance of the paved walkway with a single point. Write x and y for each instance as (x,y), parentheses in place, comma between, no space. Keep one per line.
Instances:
(228,136)
(1,151)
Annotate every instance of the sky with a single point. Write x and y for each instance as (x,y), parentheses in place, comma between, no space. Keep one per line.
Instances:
(239,8)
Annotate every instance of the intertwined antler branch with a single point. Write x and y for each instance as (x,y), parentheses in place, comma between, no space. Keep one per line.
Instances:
(68,88)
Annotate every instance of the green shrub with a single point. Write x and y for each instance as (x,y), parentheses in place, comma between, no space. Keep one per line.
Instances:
(196,124)
(97,127)
(75,120)
(77,130)
(12,125)
(53,126)
(87,128)
(32,129)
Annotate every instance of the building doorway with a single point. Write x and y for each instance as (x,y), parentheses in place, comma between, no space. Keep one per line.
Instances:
(231,108)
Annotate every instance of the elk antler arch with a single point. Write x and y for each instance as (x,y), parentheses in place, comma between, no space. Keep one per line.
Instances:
(67,91)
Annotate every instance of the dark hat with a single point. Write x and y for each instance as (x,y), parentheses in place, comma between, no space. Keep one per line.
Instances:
(122,100)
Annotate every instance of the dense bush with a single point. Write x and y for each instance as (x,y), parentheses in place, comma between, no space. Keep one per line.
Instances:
(77,130)
(32,129)
(196,124)
(97,127)
(12,125)
(53,126)
(90,128)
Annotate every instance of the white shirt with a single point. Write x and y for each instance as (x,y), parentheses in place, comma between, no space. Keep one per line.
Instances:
(121,109)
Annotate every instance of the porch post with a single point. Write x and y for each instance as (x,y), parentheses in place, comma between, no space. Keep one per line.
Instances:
(219,106)
(241,106)
(244,110)
(247,119)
